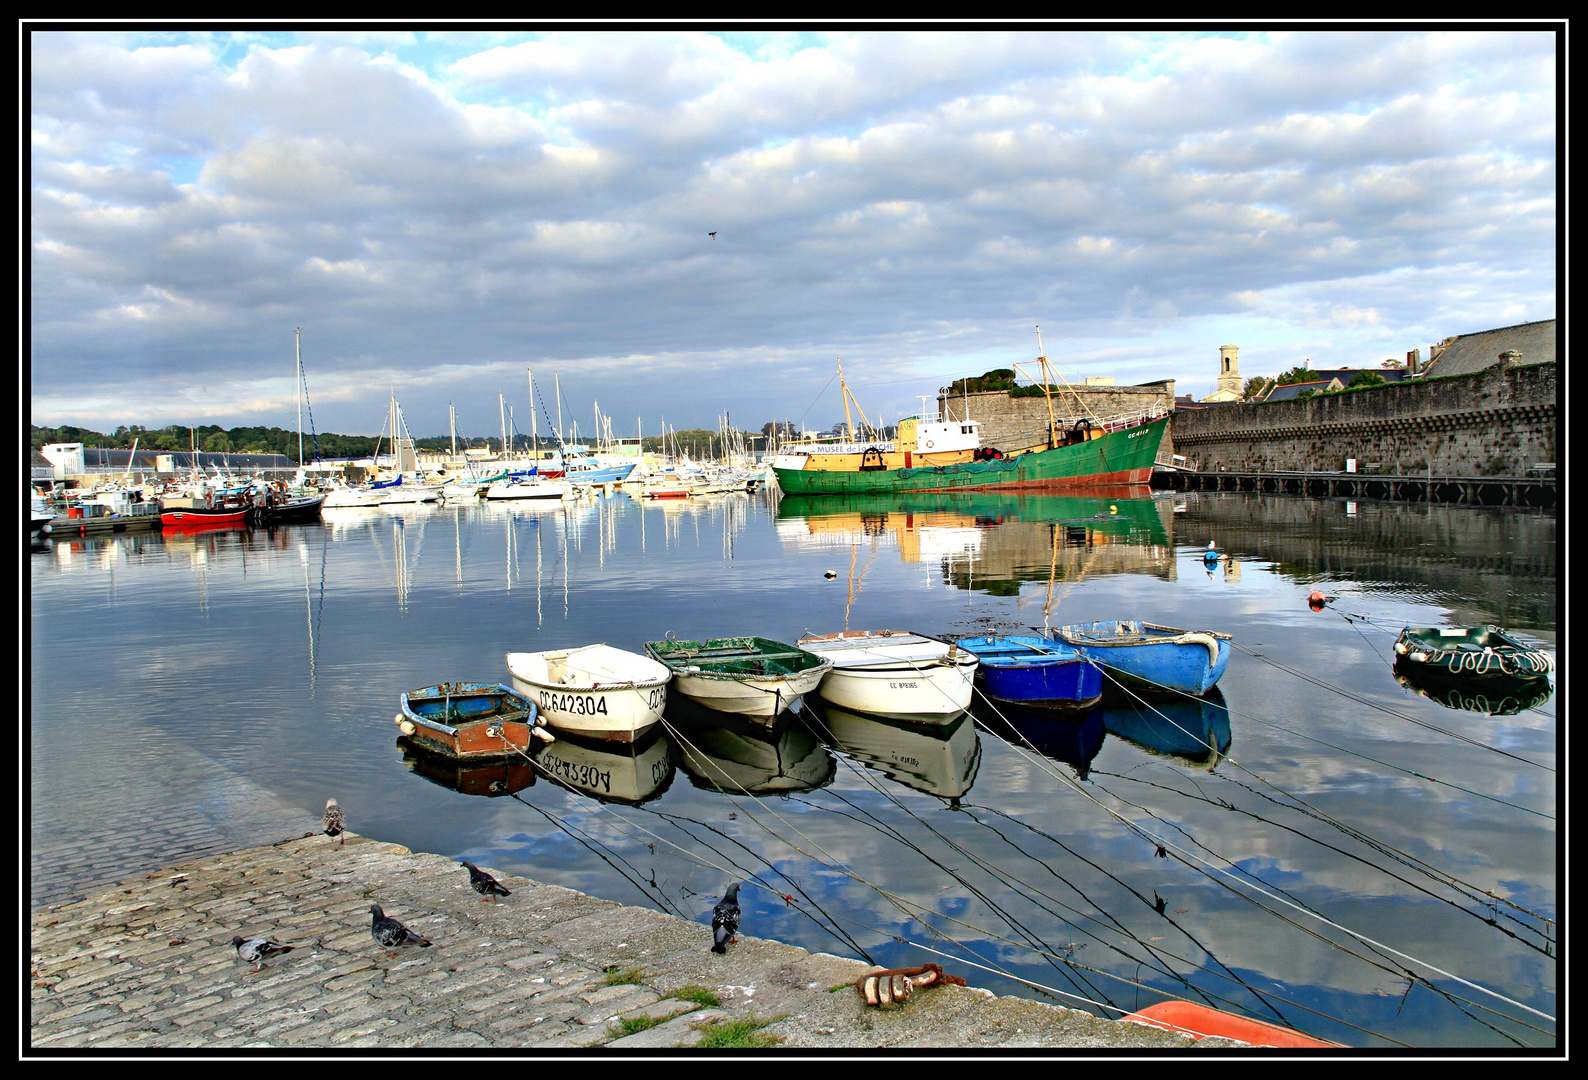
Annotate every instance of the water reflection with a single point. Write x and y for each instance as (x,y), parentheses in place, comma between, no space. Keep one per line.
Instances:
(1071,738)
(628,773)
(1506,700)
(1350,799)
(939,759)
(992,542)
(723,753)
(489,778)
(1196,731)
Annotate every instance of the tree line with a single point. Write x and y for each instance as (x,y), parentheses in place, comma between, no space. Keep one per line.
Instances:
(212,438)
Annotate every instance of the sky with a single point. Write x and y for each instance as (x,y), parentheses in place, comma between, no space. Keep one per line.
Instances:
(443,213)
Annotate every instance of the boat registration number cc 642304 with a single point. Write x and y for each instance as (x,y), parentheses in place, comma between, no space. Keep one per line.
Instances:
(573,704)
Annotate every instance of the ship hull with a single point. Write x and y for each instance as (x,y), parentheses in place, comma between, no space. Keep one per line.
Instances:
(1119,457)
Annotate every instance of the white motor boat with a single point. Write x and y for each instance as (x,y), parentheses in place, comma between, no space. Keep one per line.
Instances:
(596,691)
(895,673)
(531,487)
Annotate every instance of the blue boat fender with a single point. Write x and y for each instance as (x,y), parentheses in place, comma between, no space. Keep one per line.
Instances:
(1210,555)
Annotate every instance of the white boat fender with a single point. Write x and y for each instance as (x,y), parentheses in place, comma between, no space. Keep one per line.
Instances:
(544,735)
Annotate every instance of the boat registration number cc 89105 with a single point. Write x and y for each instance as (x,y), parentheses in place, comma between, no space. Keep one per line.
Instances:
(573,704)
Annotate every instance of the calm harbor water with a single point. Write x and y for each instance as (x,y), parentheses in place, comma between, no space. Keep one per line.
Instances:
(1317,844)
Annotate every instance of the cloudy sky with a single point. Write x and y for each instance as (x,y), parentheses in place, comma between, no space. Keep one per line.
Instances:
(440,213)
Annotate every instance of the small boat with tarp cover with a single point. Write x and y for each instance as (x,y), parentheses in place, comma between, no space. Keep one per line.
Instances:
(1483,658)
(748,676)
(1148,656)
(468,719)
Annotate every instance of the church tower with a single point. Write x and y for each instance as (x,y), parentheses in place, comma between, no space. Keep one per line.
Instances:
(1229,384)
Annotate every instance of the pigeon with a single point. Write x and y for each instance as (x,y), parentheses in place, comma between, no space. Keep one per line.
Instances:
(484,883)
(725,920)
(333,822)
(257,950)
(391,933)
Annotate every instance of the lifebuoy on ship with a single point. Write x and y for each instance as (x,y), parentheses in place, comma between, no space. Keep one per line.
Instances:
(928,444)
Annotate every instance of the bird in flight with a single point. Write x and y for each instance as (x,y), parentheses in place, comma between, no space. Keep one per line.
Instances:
(712,235)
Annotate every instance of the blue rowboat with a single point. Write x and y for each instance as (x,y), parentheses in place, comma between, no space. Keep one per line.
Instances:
(1148,656)
(1036,672)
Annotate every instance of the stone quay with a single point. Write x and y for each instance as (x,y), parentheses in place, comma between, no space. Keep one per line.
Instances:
(149,965)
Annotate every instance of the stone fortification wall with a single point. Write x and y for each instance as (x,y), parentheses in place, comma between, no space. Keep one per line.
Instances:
(1010,422)
(1497,422)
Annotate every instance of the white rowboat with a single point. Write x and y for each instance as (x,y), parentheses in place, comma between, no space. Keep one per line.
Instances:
(894,673)
(595,691)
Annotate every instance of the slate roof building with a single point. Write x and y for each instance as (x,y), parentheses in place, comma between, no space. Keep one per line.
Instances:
(1291,391)
(1468,353)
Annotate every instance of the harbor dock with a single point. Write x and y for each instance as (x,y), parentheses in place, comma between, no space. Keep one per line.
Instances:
(149,964)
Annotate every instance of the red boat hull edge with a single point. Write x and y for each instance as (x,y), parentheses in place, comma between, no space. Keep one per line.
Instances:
(1199,1021)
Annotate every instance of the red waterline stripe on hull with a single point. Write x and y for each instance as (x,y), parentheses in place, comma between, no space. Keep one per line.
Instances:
(1126,477)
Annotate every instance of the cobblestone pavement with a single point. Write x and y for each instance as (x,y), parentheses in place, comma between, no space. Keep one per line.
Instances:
(150,964)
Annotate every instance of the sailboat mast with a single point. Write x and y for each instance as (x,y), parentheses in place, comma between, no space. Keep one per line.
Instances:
(297,347)
(534,437)
(501,403)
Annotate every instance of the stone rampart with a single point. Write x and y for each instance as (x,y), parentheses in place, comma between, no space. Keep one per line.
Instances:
(1013,422)
(1498,422)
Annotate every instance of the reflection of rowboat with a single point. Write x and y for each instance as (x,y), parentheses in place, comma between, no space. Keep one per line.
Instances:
(727,754)
(630,773)
(895,673)
(498,776)
(1455,693)
(1196,731)
(1058,735)
(748,676)
(939,760)
(1148,656)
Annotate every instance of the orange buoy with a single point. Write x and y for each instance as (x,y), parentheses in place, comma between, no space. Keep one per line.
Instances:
(1199,1021)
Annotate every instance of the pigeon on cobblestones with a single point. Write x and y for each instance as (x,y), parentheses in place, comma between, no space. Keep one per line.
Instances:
(725,920)
(333,822)
(391,933)
(257,950)
(484,883)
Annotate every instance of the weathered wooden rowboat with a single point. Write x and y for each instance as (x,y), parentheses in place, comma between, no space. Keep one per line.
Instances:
(468,720)
(1147,656)
(1035,671)
(596,691)
(747,676)
(895,673)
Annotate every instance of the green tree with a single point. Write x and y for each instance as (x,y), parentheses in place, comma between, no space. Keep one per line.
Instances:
(1254,386)
(1297,374)
(1366,378)
(216,443)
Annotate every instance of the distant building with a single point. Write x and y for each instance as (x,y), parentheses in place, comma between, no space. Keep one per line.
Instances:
(1229,382)
(1463,354)
(1291,391)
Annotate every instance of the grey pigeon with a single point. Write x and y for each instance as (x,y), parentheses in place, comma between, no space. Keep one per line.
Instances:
(333,822)
(725,920)
(391,933)
(484,883)
(257,950)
